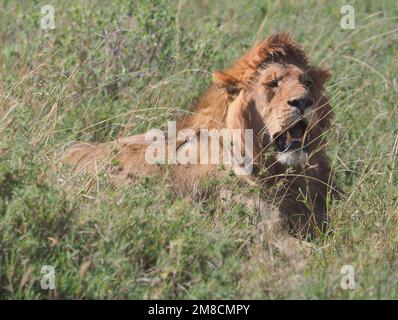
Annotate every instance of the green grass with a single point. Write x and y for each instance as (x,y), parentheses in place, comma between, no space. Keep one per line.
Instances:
(111,70)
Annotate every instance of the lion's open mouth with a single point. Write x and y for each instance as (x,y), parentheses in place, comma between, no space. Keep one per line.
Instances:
(293,138)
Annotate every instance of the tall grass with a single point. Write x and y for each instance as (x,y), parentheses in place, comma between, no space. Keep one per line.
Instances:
(111,70)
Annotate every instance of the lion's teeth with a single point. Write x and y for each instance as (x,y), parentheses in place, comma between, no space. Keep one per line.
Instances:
(289,137)
(298,139)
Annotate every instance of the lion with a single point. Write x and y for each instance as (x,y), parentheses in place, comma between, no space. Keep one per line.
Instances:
(275,92)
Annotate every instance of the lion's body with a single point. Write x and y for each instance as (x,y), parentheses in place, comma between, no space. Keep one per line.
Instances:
(218,109)
(129,163)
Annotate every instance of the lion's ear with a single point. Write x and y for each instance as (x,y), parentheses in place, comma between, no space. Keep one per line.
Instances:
(227,83)
(320,76)
(325,111)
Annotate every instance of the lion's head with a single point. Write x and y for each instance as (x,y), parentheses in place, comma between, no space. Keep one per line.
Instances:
(283,98)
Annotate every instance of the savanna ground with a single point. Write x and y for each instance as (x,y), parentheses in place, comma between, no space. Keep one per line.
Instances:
(111,69)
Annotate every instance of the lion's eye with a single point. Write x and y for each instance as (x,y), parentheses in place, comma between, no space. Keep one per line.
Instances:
(308,83)
(272,84)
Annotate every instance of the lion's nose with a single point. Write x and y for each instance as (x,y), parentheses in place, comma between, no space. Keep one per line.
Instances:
(301,103)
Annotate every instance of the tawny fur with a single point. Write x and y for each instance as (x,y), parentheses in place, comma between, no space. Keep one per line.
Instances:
(239,99)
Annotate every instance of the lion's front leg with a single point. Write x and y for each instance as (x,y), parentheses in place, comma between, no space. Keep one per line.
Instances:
(271,224)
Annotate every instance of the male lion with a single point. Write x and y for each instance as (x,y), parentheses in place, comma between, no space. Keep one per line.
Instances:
(276,92)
